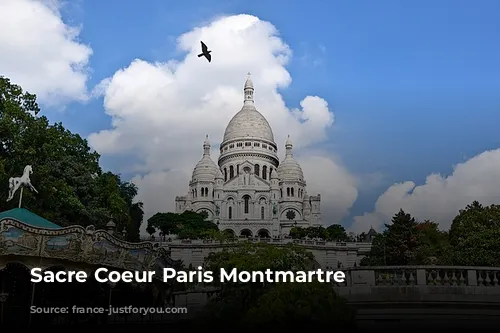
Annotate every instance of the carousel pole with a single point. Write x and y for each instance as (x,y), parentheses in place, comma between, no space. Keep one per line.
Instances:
(21,197)
(32,300)
(2,301)
(33,295)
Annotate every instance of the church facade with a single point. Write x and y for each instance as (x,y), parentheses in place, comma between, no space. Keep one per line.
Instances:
(249,192)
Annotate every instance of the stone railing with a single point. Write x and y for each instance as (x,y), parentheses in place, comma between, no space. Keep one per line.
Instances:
(276,241)
(423,276)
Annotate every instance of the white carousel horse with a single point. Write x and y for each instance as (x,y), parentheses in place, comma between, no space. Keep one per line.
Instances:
(16,182)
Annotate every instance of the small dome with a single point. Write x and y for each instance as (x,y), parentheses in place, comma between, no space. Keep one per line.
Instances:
(289,169)
(206,169)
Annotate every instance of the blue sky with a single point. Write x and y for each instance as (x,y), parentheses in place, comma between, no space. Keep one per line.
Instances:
(414,85)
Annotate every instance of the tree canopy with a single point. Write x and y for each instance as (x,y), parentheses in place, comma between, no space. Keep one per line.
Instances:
(72,187)
(334,233)
(185,225)
(272,305)
(408,242)
(475,236)
(473,240)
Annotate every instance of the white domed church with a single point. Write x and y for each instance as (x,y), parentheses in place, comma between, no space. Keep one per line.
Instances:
(250,192)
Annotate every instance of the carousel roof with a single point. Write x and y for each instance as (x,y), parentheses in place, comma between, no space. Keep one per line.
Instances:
(27,217)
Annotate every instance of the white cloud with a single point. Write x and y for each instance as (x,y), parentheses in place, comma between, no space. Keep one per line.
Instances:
(440,198)
(40,52)
(162,111)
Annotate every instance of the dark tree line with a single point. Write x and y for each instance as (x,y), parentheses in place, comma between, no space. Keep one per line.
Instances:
(333,233)
(185,225)
(473,240)
(73,189)
(277,305)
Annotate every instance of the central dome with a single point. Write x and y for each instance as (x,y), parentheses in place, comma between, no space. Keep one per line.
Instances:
(248,122)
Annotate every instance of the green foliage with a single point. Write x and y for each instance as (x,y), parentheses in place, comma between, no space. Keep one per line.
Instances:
(475,236)
(299,306)
(377,256)
(434,246)
(72,187)
(406,242)
(334,233)
(473,240)
(402,239)
(271,305)
(185,225)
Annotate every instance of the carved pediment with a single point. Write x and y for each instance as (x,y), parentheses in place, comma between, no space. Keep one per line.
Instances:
(232,183)
(246,164)
(259,182)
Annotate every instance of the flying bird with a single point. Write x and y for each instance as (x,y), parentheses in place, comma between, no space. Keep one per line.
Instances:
(205,52)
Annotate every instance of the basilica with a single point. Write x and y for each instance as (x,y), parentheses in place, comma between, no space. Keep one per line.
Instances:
(249,192)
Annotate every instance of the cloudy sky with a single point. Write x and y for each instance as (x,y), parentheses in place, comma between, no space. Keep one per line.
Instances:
(390,104)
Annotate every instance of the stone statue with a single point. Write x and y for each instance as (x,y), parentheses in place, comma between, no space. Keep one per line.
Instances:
(217,210)
(19,182)
(275,209)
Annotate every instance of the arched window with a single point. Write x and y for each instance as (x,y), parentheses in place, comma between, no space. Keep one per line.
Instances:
(287,191)
(238,169)
(247,203)
(281,192)
(264,172)
(231,172)
(206,191)
(261,213)
(225,174)
(270,172)
(257,170)
(292,192)
(202,191)
(230,213)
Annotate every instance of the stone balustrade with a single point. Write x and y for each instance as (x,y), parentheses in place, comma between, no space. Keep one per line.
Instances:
(327,254)
(423,276)
(410,295)
(416,295)
(276,241)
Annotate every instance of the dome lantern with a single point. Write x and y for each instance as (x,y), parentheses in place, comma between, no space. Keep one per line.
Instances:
(206,147)
(248,90)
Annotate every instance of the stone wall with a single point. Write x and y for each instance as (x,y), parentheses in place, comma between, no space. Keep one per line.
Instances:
(327,254)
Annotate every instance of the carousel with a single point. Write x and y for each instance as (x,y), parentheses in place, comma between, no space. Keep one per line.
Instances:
(29,241)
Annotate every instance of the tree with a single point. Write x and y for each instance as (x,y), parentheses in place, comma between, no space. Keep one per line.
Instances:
(185,225)
(475,236)
(402,239)
(407,241)
(271,305)
(72,187)
(434,246)
(333,233)
(398,244)
(377,255)
(150,230)
(336,232)
(299,306)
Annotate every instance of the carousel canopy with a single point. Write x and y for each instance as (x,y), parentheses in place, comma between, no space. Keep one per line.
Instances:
(27,217)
